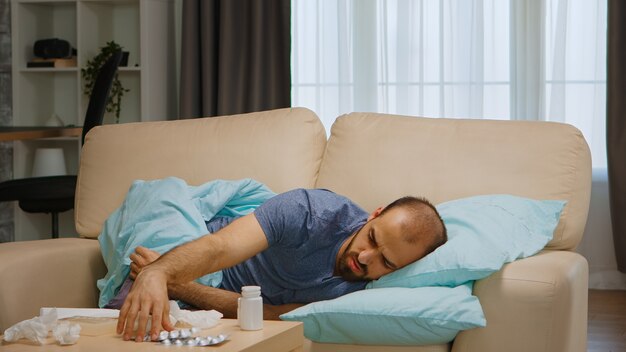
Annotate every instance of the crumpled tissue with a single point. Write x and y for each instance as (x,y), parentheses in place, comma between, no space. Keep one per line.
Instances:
(66,333)
(202,319)
(37,329)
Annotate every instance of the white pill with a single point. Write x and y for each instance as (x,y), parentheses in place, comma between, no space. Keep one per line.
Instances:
(185,333)
(163,335)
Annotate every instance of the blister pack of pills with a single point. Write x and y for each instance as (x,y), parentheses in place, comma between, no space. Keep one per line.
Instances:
(185,337)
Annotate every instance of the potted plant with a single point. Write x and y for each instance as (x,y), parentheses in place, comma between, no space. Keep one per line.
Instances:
(90,72)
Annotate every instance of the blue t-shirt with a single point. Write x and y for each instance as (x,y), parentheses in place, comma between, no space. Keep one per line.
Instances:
(304,229)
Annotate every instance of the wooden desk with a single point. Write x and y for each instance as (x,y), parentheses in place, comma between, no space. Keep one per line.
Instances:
(276,336)
(15,133)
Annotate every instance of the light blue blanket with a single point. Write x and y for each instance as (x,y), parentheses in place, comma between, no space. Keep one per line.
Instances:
(163,214)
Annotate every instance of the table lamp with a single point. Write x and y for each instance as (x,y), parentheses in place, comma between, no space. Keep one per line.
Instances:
(49,162)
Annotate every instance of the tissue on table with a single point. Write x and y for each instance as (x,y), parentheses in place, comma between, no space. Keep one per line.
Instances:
(66,333)
(63,313)
(202,319)
(37,329)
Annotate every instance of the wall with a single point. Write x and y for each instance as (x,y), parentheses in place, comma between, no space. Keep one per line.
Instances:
(597,243)
(6,149)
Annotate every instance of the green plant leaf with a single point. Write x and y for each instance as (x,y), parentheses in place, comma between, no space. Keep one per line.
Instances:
(90,72)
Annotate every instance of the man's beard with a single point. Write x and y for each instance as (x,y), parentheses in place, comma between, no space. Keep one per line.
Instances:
(345,271)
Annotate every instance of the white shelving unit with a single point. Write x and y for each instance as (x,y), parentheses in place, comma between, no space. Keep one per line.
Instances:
(144,28)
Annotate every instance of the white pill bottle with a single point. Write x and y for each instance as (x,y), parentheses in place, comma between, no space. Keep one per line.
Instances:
(250,308)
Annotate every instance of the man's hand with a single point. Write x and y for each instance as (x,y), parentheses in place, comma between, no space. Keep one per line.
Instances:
(147,296)
(240,240)
(141,258)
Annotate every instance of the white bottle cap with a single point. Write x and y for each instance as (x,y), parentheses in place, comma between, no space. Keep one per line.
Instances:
(251,291)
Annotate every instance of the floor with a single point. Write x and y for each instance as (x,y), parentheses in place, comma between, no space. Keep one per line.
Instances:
(607,321)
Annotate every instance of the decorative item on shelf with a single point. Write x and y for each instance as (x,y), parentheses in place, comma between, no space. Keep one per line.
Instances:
(49,162)
(56,63)
(53,48)
(54,121)
(53,52)
(90,72)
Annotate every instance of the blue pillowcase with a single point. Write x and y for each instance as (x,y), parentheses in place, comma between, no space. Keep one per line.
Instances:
(392,316)
(484,233)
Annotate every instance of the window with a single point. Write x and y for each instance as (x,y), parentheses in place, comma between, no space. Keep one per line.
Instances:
(539,60)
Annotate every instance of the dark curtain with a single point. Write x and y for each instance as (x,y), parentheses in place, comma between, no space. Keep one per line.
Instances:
(616,125)
(235,57)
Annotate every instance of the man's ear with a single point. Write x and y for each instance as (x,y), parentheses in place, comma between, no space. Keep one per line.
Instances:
(375,213)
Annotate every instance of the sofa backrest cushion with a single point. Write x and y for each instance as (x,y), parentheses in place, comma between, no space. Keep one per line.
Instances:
(376,158)
(281,148)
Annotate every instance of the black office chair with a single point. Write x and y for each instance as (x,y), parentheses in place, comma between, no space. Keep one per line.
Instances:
(55,194)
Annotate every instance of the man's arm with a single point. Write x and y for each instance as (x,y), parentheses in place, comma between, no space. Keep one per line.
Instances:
(240,240)
(206,297)
(201,296)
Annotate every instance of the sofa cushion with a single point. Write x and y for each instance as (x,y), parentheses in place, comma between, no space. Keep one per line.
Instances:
(281,148)
(375,158)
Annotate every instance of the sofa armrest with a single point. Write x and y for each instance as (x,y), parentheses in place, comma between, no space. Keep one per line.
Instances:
(47,273)
(534,304)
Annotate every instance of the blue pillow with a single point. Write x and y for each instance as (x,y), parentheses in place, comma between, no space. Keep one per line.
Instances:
(484,233)
(392,316)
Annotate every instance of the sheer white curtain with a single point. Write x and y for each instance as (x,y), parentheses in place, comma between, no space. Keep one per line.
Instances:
(523,59)
(576,69)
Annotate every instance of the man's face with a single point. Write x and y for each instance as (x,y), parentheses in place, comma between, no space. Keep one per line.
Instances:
(379,247)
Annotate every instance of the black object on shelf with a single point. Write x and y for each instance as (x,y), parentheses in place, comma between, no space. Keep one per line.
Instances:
(58,63)
(124,61)
(53,48)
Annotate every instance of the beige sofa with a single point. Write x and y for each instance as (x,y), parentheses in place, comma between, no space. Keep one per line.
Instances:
(535,304)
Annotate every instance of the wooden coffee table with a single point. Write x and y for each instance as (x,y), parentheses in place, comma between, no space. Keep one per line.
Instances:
(276,336)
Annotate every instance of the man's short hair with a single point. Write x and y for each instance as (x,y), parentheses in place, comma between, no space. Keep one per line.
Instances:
(431,220)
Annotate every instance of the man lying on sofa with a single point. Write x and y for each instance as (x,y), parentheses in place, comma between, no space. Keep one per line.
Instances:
(300,246)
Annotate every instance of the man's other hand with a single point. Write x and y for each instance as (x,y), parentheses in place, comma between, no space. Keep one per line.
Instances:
(148,296)
(140,258)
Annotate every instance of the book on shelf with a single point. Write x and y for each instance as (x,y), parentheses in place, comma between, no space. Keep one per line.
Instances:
(56,63)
